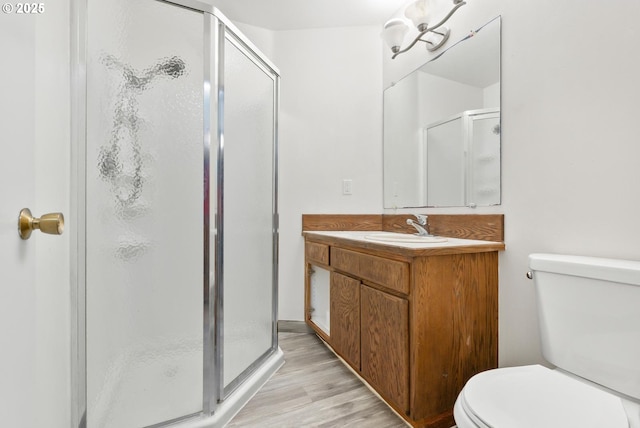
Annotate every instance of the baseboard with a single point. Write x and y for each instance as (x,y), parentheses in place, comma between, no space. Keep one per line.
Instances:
(289,326)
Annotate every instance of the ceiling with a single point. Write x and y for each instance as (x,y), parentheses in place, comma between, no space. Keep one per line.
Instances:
(301,14)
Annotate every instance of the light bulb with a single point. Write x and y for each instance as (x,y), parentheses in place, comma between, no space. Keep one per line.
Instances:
(393,33)
(418,13)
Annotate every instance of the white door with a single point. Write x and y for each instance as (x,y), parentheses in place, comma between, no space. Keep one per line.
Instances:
(34,174)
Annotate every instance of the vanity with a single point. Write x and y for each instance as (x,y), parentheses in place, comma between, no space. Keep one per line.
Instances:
(414,320)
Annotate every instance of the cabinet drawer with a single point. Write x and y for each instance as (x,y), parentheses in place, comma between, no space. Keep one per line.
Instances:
(317,253)
(388,273)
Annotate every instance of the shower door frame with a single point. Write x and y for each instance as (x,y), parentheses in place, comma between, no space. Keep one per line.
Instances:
(227,31)
(217,29)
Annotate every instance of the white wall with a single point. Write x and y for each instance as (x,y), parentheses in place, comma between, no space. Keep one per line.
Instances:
(330,130)
(569,141)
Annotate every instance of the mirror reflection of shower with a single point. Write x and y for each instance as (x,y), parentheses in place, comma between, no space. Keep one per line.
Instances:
(461,161)
(120,160)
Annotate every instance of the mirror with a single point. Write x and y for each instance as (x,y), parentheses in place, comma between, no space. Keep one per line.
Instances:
(442,128)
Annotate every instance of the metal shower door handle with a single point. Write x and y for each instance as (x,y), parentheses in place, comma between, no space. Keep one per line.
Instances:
(52,223)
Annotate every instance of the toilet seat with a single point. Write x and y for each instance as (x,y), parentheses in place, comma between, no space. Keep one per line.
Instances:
(534,397)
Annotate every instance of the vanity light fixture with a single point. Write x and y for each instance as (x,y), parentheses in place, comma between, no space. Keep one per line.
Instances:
(418,12)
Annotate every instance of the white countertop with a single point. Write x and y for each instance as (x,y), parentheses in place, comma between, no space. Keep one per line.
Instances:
(361,236)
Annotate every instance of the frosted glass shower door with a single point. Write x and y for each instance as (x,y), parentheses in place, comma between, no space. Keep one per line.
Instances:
(144,213)
(248,212)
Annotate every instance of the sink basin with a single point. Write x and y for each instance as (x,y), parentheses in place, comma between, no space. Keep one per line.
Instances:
(404,238)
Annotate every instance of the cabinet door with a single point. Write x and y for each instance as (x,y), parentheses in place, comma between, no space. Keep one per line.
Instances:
(345,317)
(385,344)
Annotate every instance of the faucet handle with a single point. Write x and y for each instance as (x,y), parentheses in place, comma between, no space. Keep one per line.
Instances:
(422,219)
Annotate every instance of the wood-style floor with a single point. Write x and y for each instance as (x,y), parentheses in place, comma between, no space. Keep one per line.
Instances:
(313,390)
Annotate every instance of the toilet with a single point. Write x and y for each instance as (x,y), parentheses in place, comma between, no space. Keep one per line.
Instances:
(589,317)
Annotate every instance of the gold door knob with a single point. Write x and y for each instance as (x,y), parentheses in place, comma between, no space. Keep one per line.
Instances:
(52,223)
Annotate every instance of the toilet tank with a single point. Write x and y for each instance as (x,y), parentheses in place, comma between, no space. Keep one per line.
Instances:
(589,317)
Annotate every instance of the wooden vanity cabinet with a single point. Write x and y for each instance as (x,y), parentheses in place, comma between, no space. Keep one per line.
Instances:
(415,324)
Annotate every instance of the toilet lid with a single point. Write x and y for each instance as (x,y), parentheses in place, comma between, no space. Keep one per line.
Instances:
(535,396)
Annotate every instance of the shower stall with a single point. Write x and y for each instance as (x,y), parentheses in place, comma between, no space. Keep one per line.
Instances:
(175,147)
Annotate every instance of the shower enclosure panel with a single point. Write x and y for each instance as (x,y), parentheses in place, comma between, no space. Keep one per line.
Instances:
(144,213)
(247,211)
(176,264)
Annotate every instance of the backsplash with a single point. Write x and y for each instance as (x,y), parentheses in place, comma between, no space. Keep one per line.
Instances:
(485,227)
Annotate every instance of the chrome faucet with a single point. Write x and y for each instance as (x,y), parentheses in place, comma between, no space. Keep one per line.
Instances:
(421,225)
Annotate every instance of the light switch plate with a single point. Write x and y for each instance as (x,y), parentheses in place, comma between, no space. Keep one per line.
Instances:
(347,187)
